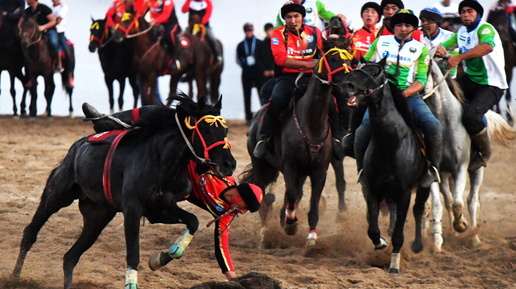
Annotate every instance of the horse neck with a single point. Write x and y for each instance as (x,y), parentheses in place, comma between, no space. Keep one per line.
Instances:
(387,123)
(312,108)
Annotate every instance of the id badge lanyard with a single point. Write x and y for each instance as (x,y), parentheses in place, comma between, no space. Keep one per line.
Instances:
(250,56)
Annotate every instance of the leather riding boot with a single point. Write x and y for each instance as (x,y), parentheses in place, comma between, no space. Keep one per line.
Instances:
(480,150)
(102,122)
(267,129)
(212,42)
(434,152)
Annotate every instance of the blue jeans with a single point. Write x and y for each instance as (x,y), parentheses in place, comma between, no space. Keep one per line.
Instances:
(53,41)
(63,45)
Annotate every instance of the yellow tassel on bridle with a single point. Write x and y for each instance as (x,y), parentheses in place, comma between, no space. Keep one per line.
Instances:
(211,120)
(344,55)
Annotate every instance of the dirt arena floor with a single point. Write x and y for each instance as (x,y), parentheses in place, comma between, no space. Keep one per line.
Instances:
(344,258)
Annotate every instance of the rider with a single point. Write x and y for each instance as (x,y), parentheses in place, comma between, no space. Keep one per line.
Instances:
(451,18)
(46,23)
(363,37)
(211,192)
(509,8)
(203,9)
(163,13)
(407,66)
(294,47)
(389,8)
(12,10)
(119,7)
(484,81)
(315,12)
(60,12)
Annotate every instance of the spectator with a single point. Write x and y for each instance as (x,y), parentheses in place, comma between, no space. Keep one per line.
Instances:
(60,12)
(252,69)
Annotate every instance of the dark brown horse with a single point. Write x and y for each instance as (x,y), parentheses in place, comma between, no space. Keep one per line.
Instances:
(501,22)
(117,62)
(11,57)
(302,146)
(39,62)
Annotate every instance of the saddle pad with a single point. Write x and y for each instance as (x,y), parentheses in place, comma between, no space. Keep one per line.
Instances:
(104,137)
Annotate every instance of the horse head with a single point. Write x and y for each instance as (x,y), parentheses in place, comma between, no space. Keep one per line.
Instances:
(129,27)
(365,83)
(206,131)
(29,32)
(97,34)
(339,33)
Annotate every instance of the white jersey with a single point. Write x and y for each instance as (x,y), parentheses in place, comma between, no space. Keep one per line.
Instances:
(442,36)
(60,11)
(488,69)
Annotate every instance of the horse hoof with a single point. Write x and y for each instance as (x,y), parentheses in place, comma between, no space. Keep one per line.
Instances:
(417,246)
(393,271)
(381,245)
(159,260)
(438,243)
(290,229)
(460,226)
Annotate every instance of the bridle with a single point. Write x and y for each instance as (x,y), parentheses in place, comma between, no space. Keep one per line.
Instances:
(323,63)
(34,30)
(369,91)
(134,23)
(211,120)
(100,40)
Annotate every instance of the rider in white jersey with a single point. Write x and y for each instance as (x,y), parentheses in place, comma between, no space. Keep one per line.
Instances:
(484,81)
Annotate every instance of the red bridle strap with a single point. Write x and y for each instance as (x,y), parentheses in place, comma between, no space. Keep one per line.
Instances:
(344,55)
(211,120)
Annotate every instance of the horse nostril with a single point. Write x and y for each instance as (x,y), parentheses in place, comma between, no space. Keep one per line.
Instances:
(350,86)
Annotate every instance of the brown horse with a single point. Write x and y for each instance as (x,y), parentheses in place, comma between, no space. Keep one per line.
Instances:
(501,22)
(197,62)
(39,62)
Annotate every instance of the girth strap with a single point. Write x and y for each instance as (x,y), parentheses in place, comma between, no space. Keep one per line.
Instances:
(106,176)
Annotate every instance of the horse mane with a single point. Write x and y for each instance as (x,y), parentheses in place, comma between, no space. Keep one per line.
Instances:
(400,101)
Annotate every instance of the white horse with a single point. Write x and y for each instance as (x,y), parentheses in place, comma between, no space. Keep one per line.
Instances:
(455,158)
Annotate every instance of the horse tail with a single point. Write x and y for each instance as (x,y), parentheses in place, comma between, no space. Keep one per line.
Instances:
(261,175)
(499,129)
(247,175)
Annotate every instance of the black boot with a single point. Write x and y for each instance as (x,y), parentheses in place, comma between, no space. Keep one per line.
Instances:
(267,129)
(102,122)
(212,42)
(434,152)
(480,151)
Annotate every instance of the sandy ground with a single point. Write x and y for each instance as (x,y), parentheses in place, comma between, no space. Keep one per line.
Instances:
(344,257)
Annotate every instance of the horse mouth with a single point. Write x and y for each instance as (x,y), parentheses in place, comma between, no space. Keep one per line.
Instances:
(352,101)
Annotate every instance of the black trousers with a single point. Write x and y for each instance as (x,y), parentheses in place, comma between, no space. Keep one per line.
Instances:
(250,80)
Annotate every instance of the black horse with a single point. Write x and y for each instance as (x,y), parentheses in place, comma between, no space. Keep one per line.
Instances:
(117,61)
(11,57)
(302,146)
(393,162)
(144,177)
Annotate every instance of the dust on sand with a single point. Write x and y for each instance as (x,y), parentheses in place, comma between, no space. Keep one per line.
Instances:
(343,258)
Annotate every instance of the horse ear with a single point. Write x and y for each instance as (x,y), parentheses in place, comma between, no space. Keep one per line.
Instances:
(92,20)
(383,61)
(218,105)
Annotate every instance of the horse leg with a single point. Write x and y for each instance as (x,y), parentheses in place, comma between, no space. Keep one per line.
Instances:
(391,206)
(418,211)
(136,89)
(121,81)
(402,205)
(49,93)
(109,83)
(33,99)
(13,95)
(95,220)
(318,180)
(340,182)
(459,222)
(373,211)
(173,215)
(56,195)
(132,215)
(437,212)
(476,179)
(293,194)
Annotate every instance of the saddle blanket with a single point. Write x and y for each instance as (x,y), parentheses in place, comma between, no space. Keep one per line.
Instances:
(104,137)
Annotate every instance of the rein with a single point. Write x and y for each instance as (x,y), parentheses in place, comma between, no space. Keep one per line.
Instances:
(344,55)
(26,53)
(369,91)
(212,120)
(127,16)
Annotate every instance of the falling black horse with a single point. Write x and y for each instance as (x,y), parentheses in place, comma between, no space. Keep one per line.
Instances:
(393,162)
(145,176)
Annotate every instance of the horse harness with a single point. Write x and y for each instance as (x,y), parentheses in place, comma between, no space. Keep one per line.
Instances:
(210,119)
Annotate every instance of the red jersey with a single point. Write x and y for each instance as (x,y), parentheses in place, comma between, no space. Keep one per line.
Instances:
(117,10)
(362,40)
(207,188)
(203,8)
(303,47)
(161,10)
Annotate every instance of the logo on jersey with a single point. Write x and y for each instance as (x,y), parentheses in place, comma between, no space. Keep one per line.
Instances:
(385,54)
(309,10)
(202,181)
(412,49)
(463,49)
(486,31)
(309,38)
(275,41)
